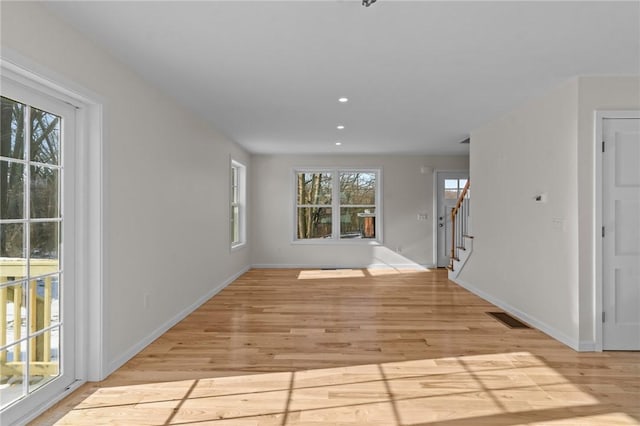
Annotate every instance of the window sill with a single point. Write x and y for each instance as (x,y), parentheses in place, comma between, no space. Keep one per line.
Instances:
(238,247)
(344,242)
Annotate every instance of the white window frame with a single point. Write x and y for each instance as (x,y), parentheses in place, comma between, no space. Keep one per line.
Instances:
(90,221)
(335,206)
(241,203)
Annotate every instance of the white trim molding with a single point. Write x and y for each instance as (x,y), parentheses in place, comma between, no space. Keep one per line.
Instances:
(91,195)
(91,248)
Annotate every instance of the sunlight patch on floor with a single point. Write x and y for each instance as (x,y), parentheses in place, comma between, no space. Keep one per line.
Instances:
(317,274)
(503,389)
(381,272)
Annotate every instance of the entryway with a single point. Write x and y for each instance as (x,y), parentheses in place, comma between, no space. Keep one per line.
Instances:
(449,185)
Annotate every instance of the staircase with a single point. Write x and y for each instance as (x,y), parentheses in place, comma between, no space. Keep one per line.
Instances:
(461,240)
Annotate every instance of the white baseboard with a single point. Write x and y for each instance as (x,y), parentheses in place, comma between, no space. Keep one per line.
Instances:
(401,266)
(587,346)
(135,349)
(540,325)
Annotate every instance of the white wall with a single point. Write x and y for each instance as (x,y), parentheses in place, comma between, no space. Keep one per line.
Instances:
(536,259)
(167,175)
(406,192)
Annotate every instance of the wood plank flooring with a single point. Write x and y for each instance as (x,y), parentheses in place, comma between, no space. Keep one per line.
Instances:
(356,347)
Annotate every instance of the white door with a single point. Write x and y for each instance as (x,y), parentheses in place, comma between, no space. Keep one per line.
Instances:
(449,185)
(37,239)
(621,243)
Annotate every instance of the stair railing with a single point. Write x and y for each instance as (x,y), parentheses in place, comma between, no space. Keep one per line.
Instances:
(459,224)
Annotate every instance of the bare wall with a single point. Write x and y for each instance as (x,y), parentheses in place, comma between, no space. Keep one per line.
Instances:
(407,191)
(537,259)
(167,177)
(525,253)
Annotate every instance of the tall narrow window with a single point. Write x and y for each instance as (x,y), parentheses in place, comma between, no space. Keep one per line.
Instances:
(337,205)
(238,204)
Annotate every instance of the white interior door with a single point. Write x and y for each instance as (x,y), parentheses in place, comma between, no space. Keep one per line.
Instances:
(449,185)
(621,243)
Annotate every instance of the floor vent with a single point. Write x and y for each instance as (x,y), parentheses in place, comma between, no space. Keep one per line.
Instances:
(508,320)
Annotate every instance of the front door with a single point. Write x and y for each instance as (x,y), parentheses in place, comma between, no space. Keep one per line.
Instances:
(621,242)
(449,186)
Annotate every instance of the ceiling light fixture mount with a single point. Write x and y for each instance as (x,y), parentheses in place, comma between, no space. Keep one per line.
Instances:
(367,3)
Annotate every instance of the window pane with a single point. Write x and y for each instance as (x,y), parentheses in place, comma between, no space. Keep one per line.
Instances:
(451,184)
(44,351)
(451,194)
(45,137)
(12,129)
(463,182)
(44,192)
(234,184)
(314,188)
(14,299)
(357,222)
(12,193)
(357,188)
(44,302)
(314,222)
(45,245)
(12,252)
(13,370)
(451,189)
(235,222)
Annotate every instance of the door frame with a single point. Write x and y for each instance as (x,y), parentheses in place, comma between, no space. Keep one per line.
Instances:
(598,206)
(436,207)
(90,216)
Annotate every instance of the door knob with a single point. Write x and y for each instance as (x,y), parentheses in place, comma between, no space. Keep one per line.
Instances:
(441,225)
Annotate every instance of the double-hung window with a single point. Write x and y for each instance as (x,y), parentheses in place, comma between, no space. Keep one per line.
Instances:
(337,205)
(238,203)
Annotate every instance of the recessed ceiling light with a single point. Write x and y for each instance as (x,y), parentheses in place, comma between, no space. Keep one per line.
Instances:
(343,100)
(340,127)
(338,143)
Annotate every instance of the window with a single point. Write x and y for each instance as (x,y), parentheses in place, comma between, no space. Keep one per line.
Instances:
(238,202)
(36,290)
(453,188)
(337,205)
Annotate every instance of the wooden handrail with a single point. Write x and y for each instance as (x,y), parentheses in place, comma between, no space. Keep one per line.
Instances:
(461,198)
(454,213)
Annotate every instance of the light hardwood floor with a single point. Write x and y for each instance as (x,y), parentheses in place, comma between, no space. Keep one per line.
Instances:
(356,347)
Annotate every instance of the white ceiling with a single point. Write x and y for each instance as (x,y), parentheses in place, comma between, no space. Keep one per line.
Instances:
(419,75)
